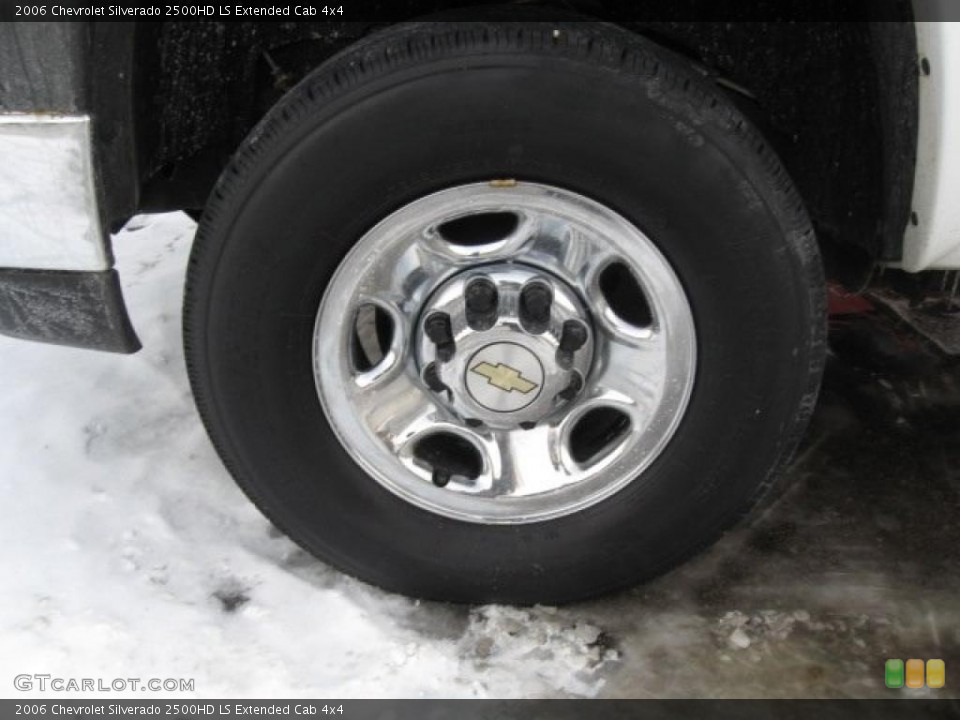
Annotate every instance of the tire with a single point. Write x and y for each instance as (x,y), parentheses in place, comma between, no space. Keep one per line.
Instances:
(584,107)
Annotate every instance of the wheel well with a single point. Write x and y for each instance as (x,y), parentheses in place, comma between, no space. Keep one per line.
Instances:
(837,99)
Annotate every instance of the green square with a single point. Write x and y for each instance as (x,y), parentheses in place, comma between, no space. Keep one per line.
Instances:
(893,673)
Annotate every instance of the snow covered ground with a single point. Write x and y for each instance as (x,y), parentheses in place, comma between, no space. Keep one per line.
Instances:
(127,551)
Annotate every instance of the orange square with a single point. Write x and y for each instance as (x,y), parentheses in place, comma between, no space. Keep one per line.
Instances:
(914,673)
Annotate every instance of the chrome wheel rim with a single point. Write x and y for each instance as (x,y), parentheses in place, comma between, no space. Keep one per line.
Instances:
(447,381)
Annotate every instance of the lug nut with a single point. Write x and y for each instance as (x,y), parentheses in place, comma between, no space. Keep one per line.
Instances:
(535,302)
(440,477)
(482,299)
(573,337)
(438,329)
(432,378)
(571,390)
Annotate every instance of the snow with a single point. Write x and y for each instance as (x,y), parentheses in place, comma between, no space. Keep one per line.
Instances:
(129,552)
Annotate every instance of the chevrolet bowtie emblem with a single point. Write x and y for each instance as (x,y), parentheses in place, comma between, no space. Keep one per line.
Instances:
(503,377)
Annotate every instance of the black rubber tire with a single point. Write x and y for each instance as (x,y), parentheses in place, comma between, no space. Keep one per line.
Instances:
(425,106)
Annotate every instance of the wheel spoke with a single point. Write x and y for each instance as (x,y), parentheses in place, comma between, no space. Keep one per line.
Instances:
(629,375)
(403,280)
(525,462)
(573,253)
(395,407)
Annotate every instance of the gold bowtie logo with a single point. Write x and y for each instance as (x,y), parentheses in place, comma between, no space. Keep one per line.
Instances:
(503,377)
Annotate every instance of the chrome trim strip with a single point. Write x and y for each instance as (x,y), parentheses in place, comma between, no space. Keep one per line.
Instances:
(49,218)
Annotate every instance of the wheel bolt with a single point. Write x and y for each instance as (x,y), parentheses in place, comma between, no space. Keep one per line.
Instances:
(482,299)
(440,477)
(571,390)
(535,302)
(432,378)
(438,329)
(573,337)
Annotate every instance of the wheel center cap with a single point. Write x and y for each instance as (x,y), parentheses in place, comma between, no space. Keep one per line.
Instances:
(504,377)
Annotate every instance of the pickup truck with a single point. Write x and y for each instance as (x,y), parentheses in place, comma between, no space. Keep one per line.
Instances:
(517,303)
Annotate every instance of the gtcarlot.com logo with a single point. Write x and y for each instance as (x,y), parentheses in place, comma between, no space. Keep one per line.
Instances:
(45,681)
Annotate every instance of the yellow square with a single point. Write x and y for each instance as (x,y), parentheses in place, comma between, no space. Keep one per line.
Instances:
(914,673)
(936,673)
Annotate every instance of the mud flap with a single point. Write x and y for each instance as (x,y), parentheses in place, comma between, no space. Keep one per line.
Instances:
(80,309)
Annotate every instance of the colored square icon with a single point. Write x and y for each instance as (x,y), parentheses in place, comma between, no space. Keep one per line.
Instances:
(914,673)
(893,673)
(936,673)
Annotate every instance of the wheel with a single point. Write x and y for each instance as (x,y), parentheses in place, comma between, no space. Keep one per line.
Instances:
(519,312)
